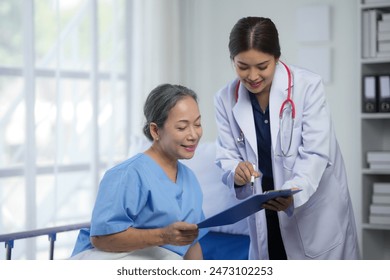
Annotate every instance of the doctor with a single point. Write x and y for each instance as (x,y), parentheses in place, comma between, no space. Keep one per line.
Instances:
(274,124)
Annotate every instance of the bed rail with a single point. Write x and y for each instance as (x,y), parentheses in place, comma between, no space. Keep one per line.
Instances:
(51,232)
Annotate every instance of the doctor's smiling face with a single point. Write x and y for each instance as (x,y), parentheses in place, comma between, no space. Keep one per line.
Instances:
(255,70)
(254,49)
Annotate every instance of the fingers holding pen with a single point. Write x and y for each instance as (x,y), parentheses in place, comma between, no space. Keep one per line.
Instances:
(245,172)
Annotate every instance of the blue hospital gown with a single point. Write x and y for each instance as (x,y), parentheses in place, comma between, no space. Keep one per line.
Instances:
(137,193)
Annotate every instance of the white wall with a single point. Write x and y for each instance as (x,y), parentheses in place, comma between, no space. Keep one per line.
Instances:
(208,67)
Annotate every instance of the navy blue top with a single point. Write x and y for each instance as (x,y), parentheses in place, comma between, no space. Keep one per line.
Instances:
(263,136)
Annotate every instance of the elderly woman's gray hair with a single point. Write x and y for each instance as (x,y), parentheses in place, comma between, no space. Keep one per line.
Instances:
(160,101)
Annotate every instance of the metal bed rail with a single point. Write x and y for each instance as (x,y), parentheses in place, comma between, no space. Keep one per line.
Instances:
(51,232)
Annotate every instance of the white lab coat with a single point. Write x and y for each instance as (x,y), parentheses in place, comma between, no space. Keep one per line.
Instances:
(321,224)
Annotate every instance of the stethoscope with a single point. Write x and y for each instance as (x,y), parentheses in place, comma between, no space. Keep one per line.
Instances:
(286,109)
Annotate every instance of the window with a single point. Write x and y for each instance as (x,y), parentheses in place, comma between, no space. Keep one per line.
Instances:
(63,113)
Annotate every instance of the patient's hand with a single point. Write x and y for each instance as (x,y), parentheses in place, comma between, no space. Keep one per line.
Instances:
(180,233)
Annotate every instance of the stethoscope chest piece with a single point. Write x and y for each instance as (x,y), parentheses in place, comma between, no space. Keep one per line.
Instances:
(240,139)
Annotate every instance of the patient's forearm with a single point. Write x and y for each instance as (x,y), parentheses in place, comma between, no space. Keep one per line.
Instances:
(179,233)
(129,240)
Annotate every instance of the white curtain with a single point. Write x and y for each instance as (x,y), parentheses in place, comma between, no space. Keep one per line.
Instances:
(156,51)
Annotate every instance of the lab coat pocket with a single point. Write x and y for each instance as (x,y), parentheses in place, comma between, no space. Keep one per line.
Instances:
(319,226)
(286,164)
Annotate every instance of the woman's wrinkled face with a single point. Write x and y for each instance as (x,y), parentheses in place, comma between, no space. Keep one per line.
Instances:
(182,130)
(255,70)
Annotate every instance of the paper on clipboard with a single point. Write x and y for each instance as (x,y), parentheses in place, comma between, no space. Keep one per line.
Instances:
(243,209)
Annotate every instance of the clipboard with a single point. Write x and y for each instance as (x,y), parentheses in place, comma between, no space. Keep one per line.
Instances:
(244,209)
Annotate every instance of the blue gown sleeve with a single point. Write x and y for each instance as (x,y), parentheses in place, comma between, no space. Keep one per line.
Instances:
(119,200)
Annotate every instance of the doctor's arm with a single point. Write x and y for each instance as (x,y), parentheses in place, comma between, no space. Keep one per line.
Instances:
(228,157)
(228,154)
(179,234)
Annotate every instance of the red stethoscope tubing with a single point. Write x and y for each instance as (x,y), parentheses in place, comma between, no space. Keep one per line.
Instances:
(288,99)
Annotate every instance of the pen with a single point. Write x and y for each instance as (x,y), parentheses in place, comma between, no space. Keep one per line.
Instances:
(253,177)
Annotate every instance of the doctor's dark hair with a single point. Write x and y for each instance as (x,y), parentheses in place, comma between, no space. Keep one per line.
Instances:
(257,33)
(160,101)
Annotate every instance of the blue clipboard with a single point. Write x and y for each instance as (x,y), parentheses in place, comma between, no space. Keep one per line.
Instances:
(243,209)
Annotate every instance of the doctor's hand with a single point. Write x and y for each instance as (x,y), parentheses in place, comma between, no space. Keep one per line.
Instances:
(279,203)
(180,233)
(243,173)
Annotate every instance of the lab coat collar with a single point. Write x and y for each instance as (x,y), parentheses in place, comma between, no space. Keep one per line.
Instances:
(243,114)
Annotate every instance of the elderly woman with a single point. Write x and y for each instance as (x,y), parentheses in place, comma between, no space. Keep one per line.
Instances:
(148,206)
